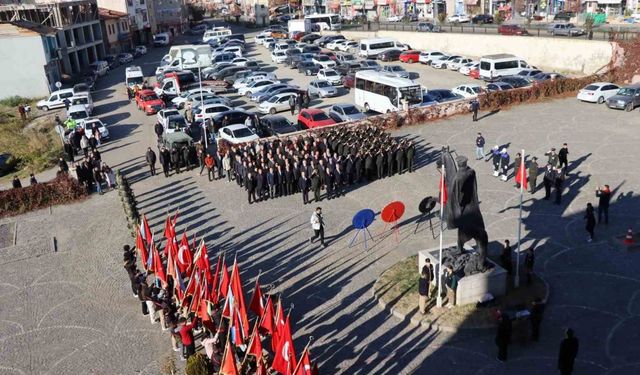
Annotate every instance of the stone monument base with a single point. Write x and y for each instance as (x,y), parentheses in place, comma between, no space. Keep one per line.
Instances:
(471,288)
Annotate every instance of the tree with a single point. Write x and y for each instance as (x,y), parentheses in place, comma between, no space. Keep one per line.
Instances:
(589,23)
(196,13)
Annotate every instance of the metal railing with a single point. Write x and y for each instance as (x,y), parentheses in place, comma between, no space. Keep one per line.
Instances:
(534,30)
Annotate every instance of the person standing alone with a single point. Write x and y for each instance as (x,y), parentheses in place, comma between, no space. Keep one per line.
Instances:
(475,106)
(568,352)
(563,158)
(590,218)
(317,224)
(151,160)
(479,146)
(604,196)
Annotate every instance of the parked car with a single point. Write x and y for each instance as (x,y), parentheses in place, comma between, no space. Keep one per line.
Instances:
(333,45)
(442,61)
(498,86)
(427,57)
(345,112)
(277,103)
(148,101)
(410,56)
(321,89)
(313,118)
(348,46)
(55,100)
(598,92)
(468,91)
(324,61)
(278,57)
(426,27)
(468,67)
(310,38)
(626,98)
(370,64)
(541,77)
(390,55)
(349,80)
(512,30)
(269,91)
(255,86)
(346,58)
(101,68)
(163,114)
(274,125)
(394,18)
(528,73)
(112,60)
(89,123)
(458,18)
(399,71)
(516,81)
(125,58)
(456,63)
(563,16)
(234,116)
(141,50)
(482,19)
(440,96)
(237,133)
(566,29)
(330,75)
(308,68)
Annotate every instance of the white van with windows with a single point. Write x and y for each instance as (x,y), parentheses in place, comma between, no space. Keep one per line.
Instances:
(133,76)
(373,47)
(55,100)
(494,66)
(214,35)
(383,93)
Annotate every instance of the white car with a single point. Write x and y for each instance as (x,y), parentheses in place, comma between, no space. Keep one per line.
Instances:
(255,86)
(335,45)
(278,57)
(427,57)
(324,61)
(163,114)
(89,123)
(246,81)
(268,40)
(141,50)
(276,103)
(468,91)
(456,63)
(237,133)
(330,75)
(208,111)
(187,96)
(348,46)
(468,67)
(394,18)
(240,61)
(598,92)
(233,49)
(259,39)
(441,62)
(459,18)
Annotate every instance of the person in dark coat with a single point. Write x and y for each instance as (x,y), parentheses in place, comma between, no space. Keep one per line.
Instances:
(411,152)
(552,157)
(503,337)
(590,218)
(400,160)
(558,185)
(175,159)
(390,161)
(165,160)
(63,165)
(533,174)
(184,154)
(495,159)
(329,183)
(303,185)
(475,106)
(151,160)
(97,179)
(549,181)
(288,179)
(529,262)
(158,129)
(16,183)
(516,167)
(505,257)
(568,353)
(315,186)
(380,164)
(260,184)
(537,311)
(369,167)
(604,197)
(68,150)
(271,183)
(563,158)
(250,186)
(32,179)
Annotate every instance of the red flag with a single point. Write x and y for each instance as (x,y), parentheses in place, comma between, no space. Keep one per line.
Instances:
(195,300)
(142,248)
(178,284)
(315,371)
(284,360)
(266,321)
(158,268)
(304,367)
(201,260)
(224,280)
(521,175)
(238,300)
(184,254)
(228,366)
(261,370)
(146,232)
(278,326)
(255,348)
(443,188)
(257,303)
(216,279)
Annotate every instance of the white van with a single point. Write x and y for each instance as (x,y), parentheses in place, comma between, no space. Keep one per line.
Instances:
(372,47)
(133,76)
(100,67)
(493,66)
(78,112)
(281,47)
(213,36)
(161,39)
(55,100)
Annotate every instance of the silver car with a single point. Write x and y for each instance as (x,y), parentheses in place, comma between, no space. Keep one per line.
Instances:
(322,89)
(345,112)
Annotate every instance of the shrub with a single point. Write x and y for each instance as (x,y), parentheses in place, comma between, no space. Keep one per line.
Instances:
(197,364)
(498,18)
(14,101)
(61,190)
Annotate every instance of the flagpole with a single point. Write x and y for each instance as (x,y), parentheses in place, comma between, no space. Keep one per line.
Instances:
(442,192)
(246,354)
(224,354)
(522,182)
(306,348)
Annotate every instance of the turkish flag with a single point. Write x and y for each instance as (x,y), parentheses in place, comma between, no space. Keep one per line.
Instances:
(184,254)
(521,175)
(257,305)
(266,321)
(158,267)
(255,348)
(145,231)
(216,279)
(443,188)
(142,248)
(229,366)
(238,295)
(224,280)
(284,360)
(304,367)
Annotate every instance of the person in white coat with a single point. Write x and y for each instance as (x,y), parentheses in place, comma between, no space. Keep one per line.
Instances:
(317,224)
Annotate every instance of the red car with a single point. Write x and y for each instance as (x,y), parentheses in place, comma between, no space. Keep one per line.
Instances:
(348,80)
(474,73)
(512,30)
(331,55)
(148,101)
(297,35)
(313,118)
(410,56)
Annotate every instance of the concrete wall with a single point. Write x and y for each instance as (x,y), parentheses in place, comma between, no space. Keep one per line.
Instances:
(565,55)
(22,67)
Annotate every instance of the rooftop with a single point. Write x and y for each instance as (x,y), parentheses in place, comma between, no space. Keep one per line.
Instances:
(105,13)
(24,28)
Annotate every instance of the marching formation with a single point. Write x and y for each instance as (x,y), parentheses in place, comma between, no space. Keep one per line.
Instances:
(177,288)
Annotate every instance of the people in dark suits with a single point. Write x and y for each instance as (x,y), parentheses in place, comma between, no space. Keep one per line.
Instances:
(150,157)
(250,186)
(568,353)
(303,185)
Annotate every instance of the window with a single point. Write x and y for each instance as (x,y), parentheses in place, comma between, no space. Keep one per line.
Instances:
(382,45)
(360,83)
(506,65)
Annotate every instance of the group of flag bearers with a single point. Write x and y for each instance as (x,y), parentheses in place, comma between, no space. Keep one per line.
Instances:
(216,302)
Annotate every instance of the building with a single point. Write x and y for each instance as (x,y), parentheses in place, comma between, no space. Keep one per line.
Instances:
(139,20)
(115,26)
(79,35)
(315,6)
(168,16)
(30,65)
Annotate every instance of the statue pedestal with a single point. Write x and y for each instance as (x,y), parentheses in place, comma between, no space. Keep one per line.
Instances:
(472,287)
